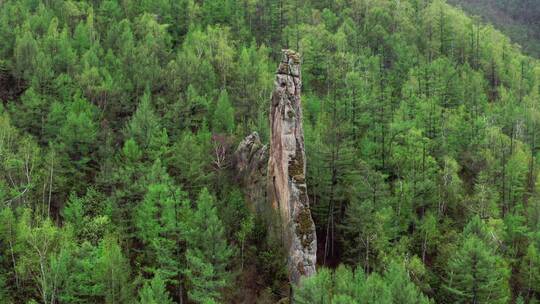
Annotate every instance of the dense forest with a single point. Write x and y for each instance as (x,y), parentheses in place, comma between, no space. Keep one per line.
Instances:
(519,19)
(119,119)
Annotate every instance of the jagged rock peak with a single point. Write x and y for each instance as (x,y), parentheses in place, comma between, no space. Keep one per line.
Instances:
(250,161)
(286,169)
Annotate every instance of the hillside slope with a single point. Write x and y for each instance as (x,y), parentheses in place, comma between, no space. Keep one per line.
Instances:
(519,19)
(119,121)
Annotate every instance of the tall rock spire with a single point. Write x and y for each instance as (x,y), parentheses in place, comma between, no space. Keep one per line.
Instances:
(287,167)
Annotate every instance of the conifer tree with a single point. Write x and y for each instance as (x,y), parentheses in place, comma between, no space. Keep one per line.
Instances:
(144,124)
(476,274)
(530,272)
(154,292)
(112,273)
(376,290)
(208,254)
(191,160)
(26,51)
(224,114)
(401,287)
(315,289)
(159,220)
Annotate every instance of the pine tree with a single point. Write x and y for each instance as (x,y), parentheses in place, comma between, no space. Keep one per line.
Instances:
(366,231)
(129,186)
(159,220)
(194,109)
(344,285)
(26,51)
(190,157)
(376,291)
(34,107)
(224,114)
(83,284)
(112,273)
(315,289)
(144,124)
(476,274)
(348,283)
(154,292)
(402,289)
(530,272)
(78,135)
(208,253)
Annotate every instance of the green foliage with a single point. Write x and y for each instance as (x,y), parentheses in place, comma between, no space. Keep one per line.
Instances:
(401,287)
(366,232)
(144,124)
(518,19)
(347,286)
(315,289)
(224,114)
(112,272)
(475,272)
(530,267)
(160,219)
(119,122)
(34,108)
(154,292)
(191,160)
(26,52)
(208,254)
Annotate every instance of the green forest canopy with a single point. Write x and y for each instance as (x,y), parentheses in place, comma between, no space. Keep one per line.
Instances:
(420,131)
(519,19)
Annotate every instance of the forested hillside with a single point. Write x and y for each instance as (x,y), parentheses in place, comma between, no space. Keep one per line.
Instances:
(520,19)
(119,121)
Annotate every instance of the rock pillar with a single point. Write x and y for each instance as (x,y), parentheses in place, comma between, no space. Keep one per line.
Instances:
(287,167)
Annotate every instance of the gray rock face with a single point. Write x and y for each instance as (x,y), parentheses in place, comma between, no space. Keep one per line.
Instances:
(250,161)
(286,169)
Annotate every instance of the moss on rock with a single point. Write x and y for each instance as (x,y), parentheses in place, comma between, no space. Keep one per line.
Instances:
(296,165)
(304,227)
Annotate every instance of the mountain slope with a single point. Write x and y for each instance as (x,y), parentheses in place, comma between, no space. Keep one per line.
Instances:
(119,121)
(519,19)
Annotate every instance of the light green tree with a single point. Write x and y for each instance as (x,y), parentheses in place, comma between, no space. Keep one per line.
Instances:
(208,254)
(154,292)
(401,287)
(476,274)
(224,114)
(112,272)
(316,289)
(530,272)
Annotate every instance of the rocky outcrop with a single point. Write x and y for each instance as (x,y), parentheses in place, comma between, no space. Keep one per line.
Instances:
(286,169)
(277,174)
(251,161)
